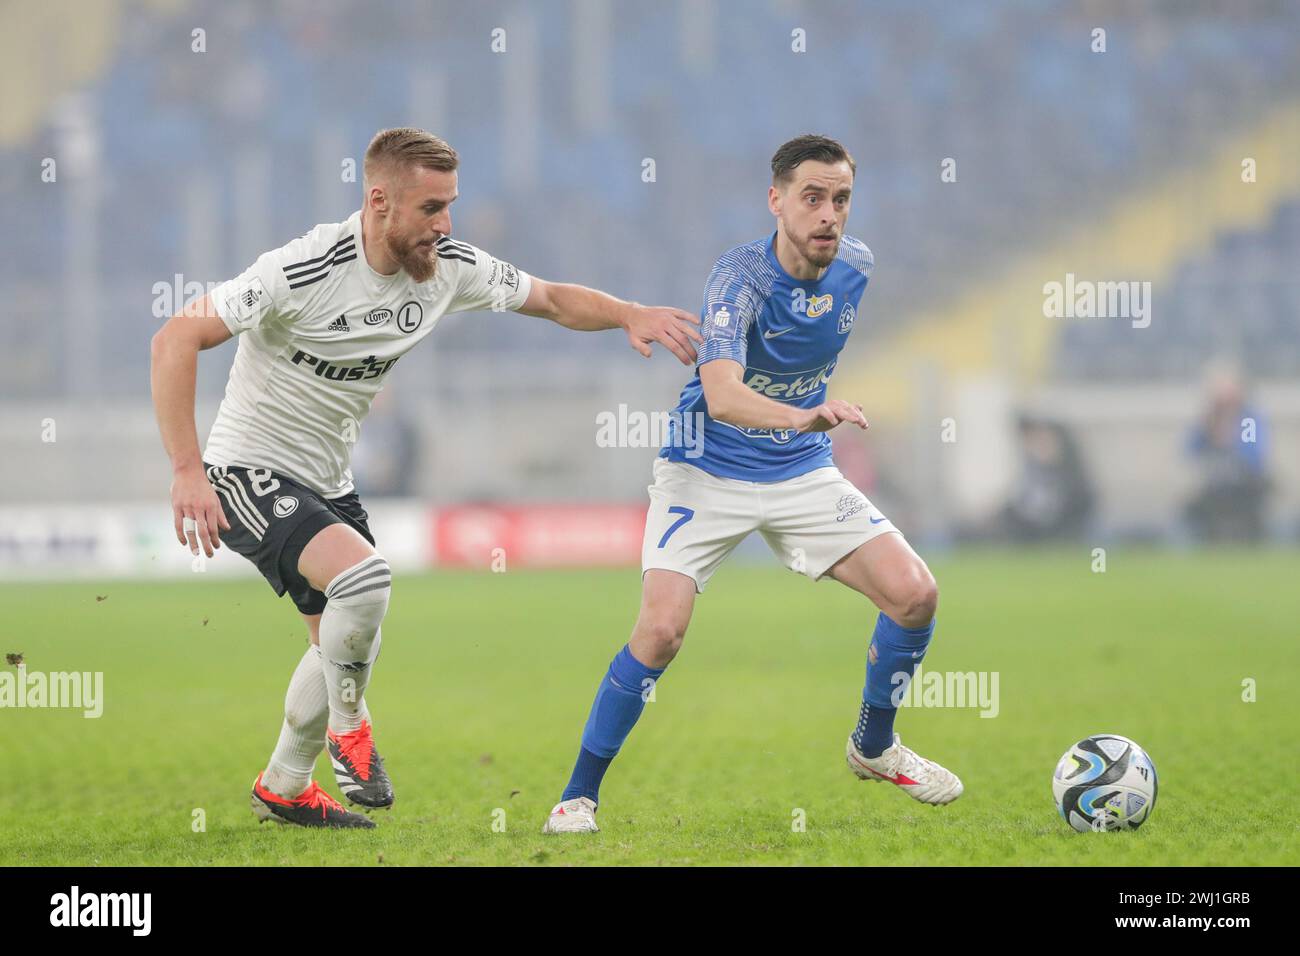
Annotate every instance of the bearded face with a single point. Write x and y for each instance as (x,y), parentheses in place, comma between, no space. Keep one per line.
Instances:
(812,209)
(818,244)
(413,248)
(411,212)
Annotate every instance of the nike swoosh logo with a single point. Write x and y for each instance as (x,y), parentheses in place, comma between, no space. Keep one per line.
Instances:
(876,520)
(769,334)
(899,779)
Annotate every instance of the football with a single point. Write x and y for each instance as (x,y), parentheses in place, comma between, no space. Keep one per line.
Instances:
(1105,782)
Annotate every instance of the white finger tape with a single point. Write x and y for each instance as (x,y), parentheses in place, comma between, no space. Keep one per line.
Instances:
(189,524)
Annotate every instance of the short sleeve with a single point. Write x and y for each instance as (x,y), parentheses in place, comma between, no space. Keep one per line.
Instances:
(256,297)
(730,305)
(482,280)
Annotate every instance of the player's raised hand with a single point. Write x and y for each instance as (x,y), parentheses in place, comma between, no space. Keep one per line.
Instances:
(196,512)
(671,328)
(831,413)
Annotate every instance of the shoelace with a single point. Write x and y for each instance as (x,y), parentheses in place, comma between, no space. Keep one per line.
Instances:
(318,799)
(911,764)
(356,747)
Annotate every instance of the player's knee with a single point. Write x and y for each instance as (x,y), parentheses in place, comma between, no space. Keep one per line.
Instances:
(365,589)
(661,638)
(919,601)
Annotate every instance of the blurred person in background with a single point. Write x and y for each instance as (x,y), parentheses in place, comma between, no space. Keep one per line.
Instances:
(1226,444)
(1053,497)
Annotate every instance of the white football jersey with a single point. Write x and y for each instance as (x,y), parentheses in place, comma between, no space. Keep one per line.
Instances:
(319,330)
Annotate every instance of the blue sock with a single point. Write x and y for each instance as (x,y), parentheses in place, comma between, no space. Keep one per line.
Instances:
(587,774)
(615,711)
(892,658)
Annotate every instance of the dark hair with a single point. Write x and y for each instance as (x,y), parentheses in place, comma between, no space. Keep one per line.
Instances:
(810,146)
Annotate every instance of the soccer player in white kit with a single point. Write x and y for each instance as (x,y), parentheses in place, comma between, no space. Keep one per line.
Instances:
(777,311)
(322,321)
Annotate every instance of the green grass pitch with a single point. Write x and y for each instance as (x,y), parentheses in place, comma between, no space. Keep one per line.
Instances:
(485,681)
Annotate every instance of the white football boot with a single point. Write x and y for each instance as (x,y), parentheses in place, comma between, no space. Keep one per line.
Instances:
(572,816)
(921,779)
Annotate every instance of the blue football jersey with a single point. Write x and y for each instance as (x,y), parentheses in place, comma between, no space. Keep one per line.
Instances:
(787,334)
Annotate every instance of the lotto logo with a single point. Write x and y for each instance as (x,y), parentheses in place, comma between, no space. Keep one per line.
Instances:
(819,305)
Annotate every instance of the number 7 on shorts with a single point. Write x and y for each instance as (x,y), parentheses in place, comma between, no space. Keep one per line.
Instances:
(686,515)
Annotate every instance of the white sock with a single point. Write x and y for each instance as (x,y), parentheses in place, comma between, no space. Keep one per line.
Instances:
(302,736)
(306,716)
(374,656)
(364,712)
(355,604)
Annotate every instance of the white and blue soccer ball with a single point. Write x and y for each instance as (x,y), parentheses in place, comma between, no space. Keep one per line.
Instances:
(1105,782)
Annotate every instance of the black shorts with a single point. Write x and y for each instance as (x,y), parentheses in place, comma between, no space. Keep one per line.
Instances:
(272,517)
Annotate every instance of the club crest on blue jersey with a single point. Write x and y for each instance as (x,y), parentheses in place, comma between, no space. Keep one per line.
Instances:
(847,315)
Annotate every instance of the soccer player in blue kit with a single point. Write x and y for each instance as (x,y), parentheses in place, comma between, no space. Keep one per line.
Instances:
(776,313)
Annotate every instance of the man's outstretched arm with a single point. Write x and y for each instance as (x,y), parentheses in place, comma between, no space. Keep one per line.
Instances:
(173,367)
(730,400)
(590,310)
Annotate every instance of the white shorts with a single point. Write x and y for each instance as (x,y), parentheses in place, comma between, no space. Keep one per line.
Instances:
(696,519)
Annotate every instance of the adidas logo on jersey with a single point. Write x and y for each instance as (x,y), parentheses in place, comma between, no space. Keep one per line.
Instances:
(339,325)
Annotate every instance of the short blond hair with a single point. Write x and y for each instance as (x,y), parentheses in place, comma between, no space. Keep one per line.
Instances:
(406,147)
